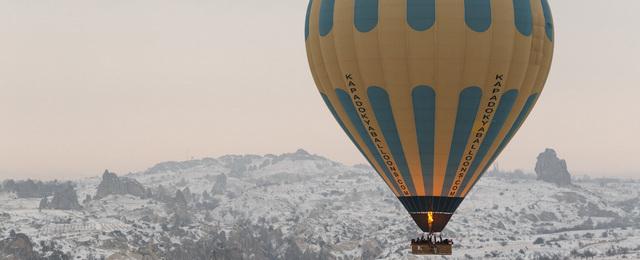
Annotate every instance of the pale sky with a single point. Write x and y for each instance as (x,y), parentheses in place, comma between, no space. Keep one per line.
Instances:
(123,84)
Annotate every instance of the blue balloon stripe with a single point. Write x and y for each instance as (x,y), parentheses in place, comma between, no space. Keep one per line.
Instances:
(424,110)
(531,101)
(366,15)
(523,17)
(306,20)
(326,17)
(467,110)
(421,14)
(548,24)
(350,109)
(342,125)
(477,14)
(381,104)
(497,123)
(431,203)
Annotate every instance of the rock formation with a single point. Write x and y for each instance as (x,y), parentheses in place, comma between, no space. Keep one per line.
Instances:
(162,194)
(221,184)
(87,199)
(550,168)
(205,196)
(34,189)
(112,184)
(181,216)
(66,199)
(188,195)
(44,204)
(180,199)
(17,246)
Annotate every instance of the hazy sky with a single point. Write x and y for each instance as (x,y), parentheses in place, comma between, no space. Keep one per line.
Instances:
(122,84)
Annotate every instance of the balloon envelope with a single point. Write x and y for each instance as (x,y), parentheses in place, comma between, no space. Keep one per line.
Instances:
(430,91)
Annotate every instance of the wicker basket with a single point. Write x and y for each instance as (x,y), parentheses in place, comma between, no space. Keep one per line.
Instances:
(426,249)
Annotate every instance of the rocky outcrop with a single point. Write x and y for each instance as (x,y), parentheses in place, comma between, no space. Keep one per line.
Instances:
(87,199)
(113,185)
(20,247)
(221,184)
(180,199)
(550,168)
(183,166)
(17,246)
(162,194)
(187,194)
(66,199)
(44,203)
(181,215)
(34,189)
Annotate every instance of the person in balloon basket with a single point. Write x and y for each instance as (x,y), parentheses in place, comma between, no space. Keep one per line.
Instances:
(431,240)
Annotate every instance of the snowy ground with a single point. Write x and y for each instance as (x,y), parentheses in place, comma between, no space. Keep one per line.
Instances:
(319,202)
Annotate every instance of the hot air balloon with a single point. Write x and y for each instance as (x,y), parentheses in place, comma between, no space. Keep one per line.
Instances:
(430,91)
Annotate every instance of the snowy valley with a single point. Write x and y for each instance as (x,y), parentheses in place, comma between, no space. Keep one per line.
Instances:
(304,206)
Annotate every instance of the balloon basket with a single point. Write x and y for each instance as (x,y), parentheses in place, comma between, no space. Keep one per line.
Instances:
(427,248)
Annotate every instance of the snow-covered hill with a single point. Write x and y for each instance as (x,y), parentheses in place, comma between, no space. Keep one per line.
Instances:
(310,207)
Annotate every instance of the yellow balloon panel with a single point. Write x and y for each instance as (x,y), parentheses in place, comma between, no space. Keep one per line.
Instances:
(430,91)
